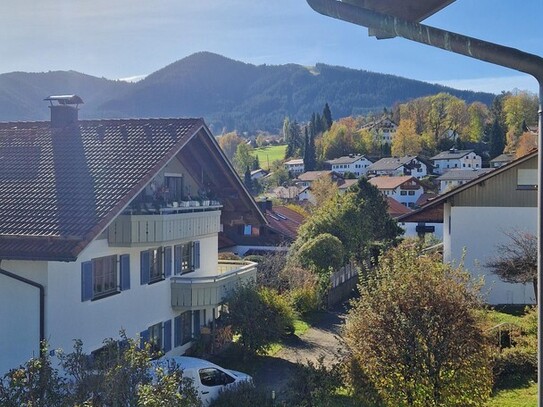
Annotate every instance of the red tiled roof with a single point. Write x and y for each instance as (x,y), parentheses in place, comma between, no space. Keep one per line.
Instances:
(284,221)
(59,188)
(395,208)
(391,182)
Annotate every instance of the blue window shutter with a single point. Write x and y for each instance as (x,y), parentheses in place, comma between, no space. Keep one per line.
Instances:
(196,255)
(144,338)
(177,331)
(86,280)
(125,271)
(167,261)
(167,335)
(144,268)
(177,259)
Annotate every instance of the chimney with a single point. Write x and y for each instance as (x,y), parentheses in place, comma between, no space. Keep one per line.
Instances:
(64,110)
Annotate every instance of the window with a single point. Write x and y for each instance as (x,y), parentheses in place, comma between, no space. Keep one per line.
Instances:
(104,276)
(527,179)
(411,192)
(156,264)
(159,336)
(403,192)
(211,377)
(174,185)
(155,337)
(182,328)
(187,257)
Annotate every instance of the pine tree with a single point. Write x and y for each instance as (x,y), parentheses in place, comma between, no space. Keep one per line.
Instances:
(497,139)
(310,159)
(327,117)
(248,180)
(256,163)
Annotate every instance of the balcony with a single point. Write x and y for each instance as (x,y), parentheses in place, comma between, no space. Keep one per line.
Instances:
(188,221)
(192,292)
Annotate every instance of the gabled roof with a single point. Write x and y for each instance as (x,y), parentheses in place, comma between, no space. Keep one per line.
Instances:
(396,209)
(503,158)
(295,161)
(463,175)
(347,183)
(391,182)
(61,187)
(348,159)
(391,163)
(451,154)
(433,210)
(284,221)
(309,176)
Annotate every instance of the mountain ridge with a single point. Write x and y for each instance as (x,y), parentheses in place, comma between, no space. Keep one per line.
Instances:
(229,94)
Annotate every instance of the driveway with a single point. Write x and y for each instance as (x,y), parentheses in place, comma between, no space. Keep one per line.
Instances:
(321,339)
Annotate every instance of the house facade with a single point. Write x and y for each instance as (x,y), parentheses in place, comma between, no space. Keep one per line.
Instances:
(456,159)
(356,164)
(110,225)
(478,215)
(406,190)
(295,166)
(383,130)
(399,166)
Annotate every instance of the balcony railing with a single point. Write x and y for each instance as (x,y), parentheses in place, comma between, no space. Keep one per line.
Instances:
(194,292)
(164,224)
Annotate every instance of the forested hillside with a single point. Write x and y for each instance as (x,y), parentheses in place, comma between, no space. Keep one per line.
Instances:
(230,95)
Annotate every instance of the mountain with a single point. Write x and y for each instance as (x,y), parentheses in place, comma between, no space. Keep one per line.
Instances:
(229,94)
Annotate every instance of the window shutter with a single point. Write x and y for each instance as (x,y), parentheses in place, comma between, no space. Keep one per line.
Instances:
(167,335)
(196,254)
(144,338)
(167,261)
(125,271)
(177,260)
(144,268)
(86,280)
(177,331)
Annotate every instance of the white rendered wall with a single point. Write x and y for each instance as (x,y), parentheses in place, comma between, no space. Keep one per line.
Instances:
(479,230)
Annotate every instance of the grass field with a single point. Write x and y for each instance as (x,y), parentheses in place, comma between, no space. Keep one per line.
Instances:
(267,155)
(517,397)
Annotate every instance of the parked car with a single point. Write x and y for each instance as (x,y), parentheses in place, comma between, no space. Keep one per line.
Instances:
(208,378)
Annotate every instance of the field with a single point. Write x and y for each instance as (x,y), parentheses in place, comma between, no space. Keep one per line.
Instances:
(267,155)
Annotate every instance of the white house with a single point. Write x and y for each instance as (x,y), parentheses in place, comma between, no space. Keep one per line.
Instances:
(356,164)
(383,130)
(406,189)
(456,159)
(453,178)
(500,160)
(477,216)
(295,166)
(398,166)
(109,225)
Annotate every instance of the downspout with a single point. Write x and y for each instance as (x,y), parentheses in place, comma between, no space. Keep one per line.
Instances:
(387,26)
(41,290)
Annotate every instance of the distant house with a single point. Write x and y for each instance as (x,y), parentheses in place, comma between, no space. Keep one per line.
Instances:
(398,166)
(383,130)
(295,166)
(344,185)
(289,193)
(406,189)
(356,164)
(109,225)
(307,178)
(456,159)
(500,160)
(257,174)
(453,178)
(476,217)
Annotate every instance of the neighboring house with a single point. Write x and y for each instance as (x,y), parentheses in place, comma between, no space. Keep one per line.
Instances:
(295,166)
(453,178)
(383,130)
(456,159)
(286,193)
(109,225)
(406,190)
(500,160)
(277,235)
(345,184)
(257,174)
(356,164)
(307,178)
(398,166)
(476,217)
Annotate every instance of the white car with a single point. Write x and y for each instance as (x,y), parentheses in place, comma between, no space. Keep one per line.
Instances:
(208,378)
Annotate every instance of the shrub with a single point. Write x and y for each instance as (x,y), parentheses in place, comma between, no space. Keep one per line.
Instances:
(305,299)
(242,395)
(513,365)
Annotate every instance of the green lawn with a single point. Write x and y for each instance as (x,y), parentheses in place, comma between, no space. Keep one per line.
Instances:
(267,155)
(517,397)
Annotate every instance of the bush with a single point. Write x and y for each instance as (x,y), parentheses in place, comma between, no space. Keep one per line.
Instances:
(513,365)
(322,253)
(305,299)
(242,395)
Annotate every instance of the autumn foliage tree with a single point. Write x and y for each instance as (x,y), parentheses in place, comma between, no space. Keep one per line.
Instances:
(406,140)
(415,336)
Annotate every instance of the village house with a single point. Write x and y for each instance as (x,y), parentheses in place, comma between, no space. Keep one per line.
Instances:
(477,216)
(458,159)
(383,130)
(398,166)
(295,166)
(500,160)
(109,225)
(406,189)
(453,178)
(356,164)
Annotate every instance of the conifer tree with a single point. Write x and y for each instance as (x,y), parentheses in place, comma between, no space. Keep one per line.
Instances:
(248,181)
(497,139)
(327,117)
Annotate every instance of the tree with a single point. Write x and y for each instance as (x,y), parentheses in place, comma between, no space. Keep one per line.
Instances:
(478,117)
(229,143)
(415,334)
(406,140)
(243,158)
(310,155)
(518,110)
(526,143)
(497,139)
(517,259)
(248,181)
(322,253)
(327,117)
(293,138)
(323,189)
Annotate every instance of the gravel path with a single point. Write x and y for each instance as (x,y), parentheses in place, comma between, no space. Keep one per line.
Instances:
(321,339)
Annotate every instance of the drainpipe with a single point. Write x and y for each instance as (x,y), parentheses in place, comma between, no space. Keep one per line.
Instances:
(41,290)
(387,26)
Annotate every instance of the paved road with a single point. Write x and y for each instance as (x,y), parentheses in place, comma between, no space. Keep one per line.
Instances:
(321,339)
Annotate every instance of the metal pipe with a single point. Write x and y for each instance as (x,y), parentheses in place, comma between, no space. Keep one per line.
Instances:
(390,26)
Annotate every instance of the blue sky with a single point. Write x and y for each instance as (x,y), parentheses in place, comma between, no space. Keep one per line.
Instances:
(127,38)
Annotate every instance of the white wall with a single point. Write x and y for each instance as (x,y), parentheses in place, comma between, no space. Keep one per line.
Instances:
(479,230)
